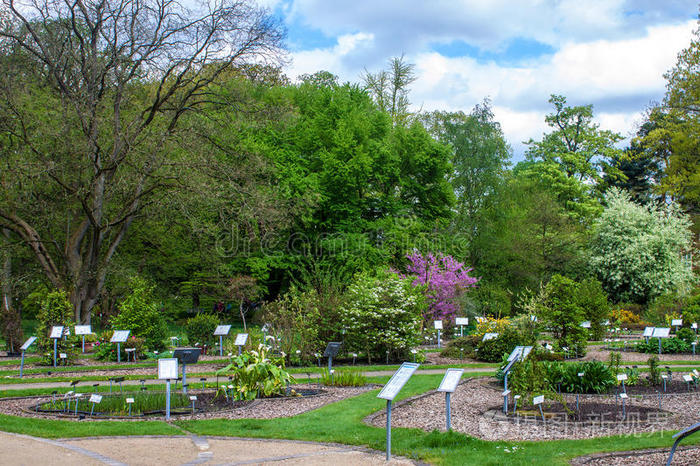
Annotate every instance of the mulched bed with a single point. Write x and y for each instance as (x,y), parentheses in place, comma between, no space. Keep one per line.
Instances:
(267,408)
(476,411)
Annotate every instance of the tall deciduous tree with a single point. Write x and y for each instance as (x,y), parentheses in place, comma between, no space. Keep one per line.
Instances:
(389,88)
(95,96)
(577,144)
(640,252)
(480,156)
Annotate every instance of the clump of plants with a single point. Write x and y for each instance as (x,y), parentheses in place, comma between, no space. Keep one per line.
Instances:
(654,370)
(461,347)
(256,374)
(381,313)
(55,310)
(343,378)
(200,329)
(668,346)
(139,313)
(115,405)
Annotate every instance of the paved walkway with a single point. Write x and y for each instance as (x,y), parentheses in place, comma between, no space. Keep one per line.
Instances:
(18,449)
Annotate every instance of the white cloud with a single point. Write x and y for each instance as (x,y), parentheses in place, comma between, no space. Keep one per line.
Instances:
(618,72)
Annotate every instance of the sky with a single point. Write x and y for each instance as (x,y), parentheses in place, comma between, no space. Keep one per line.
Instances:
(608,53)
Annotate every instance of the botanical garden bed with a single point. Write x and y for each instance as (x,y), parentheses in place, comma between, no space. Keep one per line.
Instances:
(477,411)
(264,408)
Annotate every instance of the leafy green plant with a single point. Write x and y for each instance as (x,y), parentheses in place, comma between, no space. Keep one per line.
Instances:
(686,334)
(200,329)
(668,346)
(115,405)
(493,350)
(343,378)
(462,347)
(383,313)
(255,374)
(139,313)
(55,310)
(654,371)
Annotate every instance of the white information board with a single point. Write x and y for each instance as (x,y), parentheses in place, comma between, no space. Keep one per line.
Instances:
(688,378)
(450,380)
(56,332)
(241,338)
(621,377)
(489,336)
(397,381)
(222,330)
(538,400)
(120,336)
(648,331)
(28,343)
(677,322)
(83,330)
(586,324)
(95,398)
(462,321)
(520,352)
(660,332)
(437,324)
(167,369)
(694,325)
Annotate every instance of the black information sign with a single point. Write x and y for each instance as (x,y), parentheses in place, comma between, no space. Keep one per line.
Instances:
(332,349)
(187,355)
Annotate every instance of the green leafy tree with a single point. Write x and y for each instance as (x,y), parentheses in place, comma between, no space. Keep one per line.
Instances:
(55,310)
(382,314)
(140,313)
(639,252)
(389,88)
(576,144)
(594,302)
(91,103)
(559,308)
(479,157)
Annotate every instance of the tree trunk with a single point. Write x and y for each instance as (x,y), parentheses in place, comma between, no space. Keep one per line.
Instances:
(240,309)
(6,276)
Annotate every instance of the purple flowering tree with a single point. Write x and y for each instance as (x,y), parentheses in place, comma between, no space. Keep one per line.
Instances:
(444,278)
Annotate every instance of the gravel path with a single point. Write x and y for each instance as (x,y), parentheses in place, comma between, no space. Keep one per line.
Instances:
(475,401)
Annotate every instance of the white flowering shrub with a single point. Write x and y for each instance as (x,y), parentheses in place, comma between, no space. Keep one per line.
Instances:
(383,313)
(639,252)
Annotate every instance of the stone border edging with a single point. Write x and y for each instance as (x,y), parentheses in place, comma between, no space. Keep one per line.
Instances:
(582,460)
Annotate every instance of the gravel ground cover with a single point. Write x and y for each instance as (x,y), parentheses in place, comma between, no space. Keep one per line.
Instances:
(689,456)
(267,408)
(476,402)
(632,356)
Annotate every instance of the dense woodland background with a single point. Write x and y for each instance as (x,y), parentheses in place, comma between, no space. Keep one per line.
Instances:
(139,139)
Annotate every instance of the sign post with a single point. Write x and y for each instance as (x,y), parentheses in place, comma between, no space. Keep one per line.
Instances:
(119,337)
(462,321)
(331,350)
(449,385)
(94,399)
(648,332)
(186,356)
(537,401)
(167,370)
(438,326)
(241,339)
(24,348)
(83,330)
(660,332)
(56,334)
(677,323)
(389,392)
(221,331)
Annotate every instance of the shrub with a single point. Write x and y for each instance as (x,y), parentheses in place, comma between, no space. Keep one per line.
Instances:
(467,345)
(200,328)
(594,302)
(256,374)
(668,346)
(654,371)
(686,334)
(55,310)
(382,313)
(139,313)
(494,349)
(295,321)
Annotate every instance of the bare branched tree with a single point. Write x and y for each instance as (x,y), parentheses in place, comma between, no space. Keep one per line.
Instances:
(90,111)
